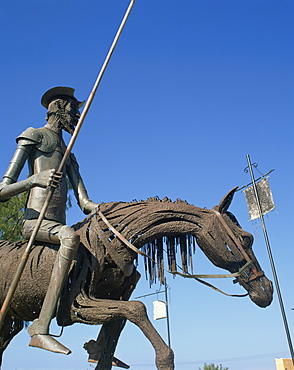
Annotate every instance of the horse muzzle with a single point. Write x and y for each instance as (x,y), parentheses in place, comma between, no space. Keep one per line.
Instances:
(260,291)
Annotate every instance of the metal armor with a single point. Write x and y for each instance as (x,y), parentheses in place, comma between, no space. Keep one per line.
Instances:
(45,154)
(44,149)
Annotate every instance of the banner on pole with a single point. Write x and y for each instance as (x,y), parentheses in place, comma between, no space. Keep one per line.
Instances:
(265,198)
(159,310)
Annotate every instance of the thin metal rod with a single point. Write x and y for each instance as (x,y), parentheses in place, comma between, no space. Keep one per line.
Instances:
(245,186)
(31,241)
(95,87)
(167,315)
(147,295)
(271,260)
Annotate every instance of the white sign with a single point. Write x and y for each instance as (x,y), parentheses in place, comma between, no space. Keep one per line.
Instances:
(159,310)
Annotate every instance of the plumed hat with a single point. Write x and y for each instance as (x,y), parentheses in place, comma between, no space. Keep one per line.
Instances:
(59,91)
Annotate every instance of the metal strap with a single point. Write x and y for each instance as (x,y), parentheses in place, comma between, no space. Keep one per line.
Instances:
(126,268)
(197,277)
(219,290)
(238,244)
(215,276)
(231,234)
(120,236)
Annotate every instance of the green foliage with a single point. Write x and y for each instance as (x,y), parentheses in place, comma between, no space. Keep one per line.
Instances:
(213,367)
(11,216)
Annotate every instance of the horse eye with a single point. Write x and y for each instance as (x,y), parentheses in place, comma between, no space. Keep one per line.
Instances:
(247,242)
(233,218)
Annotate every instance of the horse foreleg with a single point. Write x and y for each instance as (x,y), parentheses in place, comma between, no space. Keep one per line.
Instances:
(101,311)
(164,354)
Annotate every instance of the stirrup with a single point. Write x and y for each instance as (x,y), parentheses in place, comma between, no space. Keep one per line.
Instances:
(45,341)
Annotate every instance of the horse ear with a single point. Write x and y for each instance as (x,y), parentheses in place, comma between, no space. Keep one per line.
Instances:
(226,201)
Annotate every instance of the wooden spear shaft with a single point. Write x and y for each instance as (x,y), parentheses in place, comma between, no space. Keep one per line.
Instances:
(90,99)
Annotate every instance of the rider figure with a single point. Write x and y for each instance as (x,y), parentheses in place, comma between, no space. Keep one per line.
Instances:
(44,148)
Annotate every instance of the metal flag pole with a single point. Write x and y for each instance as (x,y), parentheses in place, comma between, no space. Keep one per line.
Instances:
(167,314)
(271,260)
(51,188)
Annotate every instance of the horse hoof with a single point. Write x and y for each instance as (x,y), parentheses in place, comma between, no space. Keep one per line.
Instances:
(166,362)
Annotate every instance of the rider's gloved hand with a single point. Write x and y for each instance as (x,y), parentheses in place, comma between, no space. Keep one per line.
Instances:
(46,178)
(55,181)
(89,207)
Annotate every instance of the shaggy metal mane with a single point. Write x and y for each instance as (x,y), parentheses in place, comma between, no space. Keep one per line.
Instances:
(159,227)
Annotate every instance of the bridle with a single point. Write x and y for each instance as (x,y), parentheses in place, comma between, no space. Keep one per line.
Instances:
(256,274)
(238,274)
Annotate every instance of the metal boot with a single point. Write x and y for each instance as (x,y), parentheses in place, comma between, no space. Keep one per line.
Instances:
(39,330)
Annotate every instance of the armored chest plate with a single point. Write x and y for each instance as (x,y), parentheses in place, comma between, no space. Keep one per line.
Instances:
(50,141)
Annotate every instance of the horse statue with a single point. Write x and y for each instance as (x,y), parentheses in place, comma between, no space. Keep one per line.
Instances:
(103,276)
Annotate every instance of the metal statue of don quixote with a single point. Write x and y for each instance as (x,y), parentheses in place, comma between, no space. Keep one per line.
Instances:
(86,273)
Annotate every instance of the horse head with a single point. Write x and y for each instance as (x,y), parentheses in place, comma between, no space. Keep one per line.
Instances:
(228,246)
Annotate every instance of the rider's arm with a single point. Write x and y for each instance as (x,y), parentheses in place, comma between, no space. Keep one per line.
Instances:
(9,185)
(86,205)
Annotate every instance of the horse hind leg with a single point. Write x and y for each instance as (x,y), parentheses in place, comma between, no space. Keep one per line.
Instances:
(10,328)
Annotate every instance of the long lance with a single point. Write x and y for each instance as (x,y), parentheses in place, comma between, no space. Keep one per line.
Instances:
(51,189)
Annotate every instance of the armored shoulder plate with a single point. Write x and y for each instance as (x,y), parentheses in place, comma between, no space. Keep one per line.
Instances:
(45,140)
(30,136)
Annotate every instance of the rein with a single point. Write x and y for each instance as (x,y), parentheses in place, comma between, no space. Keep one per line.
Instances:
(198,278)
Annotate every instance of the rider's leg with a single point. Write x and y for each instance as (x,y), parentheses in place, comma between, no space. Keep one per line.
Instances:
(39,330)
(48,231)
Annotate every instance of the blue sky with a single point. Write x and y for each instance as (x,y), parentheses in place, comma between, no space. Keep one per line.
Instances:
(192,88)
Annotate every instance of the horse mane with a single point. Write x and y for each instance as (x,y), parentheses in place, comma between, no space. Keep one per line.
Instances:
(137,220)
